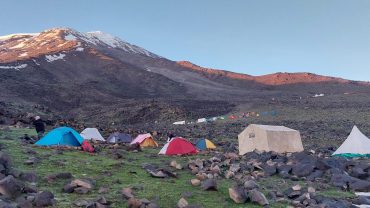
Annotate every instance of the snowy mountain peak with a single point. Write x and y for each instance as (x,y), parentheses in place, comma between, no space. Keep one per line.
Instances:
(24,46)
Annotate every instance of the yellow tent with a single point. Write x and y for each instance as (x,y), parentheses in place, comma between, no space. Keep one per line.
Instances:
(145,140)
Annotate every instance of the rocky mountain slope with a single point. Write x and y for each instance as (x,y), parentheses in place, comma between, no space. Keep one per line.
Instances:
(98,76)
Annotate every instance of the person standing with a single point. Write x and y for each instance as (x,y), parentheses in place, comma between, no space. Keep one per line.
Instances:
(39,126)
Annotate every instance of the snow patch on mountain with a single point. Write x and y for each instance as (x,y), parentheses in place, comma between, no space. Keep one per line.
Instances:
(51,58)
(107,39)
(99,38)
(22,66)
(6,37)
(20,45)
(23,54)
(70,37)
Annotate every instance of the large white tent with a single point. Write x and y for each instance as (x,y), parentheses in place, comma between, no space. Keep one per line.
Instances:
(356,144)
(269,138)
(92,134)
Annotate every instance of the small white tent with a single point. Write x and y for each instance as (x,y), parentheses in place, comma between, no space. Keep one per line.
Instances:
(92,134)
(201,120)
(356,144)
(179,123)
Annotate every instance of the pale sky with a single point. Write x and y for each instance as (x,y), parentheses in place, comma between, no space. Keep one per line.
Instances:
(328,37)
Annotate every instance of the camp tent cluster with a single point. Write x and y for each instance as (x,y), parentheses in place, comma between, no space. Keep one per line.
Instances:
(279,139)
(66,136)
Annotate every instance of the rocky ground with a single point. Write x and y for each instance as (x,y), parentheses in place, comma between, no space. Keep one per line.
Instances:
(115,176)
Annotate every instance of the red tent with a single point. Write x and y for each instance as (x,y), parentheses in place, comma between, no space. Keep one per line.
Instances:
(178,146)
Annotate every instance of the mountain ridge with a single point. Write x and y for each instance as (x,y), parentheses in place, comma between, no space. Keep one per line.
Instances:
(278,78)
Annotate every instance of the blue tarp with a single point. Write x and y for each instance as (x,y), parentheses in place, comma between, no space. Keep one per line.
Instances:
(63,136)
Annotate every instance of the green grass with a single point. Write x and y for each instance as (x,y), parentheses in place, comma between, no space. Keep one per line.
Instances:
(334,193)
(127,171)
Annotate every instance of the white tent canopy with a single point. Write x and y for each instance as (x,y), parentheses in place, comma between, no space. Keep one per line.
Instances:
(356,143)
(92,134)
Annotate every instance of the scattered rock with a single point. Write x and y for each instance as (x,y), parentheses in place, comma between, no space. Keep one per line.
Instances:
(302,170)
(195,182)
(44,199)
(209,185)
(127,193)
(82,183)
(258,197)
(238,195)
(81,190)
(250,184)
(182,203)
(134,203)
(10,187)
(296,187)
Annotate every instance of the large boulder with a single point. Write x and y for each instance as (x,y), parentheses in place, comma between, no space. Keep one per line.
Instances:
(302,170)
(315,174)
(85,183)
(360,185)
(269,170)
(250,184)
(44,199)
(209,185)
(258,197)
(10,187)
(238,195)
(5,160)
(341,180)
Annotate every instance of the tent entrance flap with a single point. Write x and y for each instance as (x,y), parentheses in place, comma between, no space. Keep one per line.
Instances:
(69,139)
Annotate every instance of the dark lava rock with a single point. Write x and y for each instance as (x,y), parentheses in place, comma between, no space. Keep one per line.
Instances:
(315,174)
(209,185)
(358,172)
(69,188)
(302,170)
(250,184)
(81,190)
(269,170)
(258,197)
(341,180)
(44,199)
(10,187)
(284,168)
(360,185)
(362,200)
(29,177)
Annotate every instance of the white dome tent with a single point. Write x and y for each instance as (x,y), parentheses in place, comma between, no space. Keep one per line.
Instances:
(92,134)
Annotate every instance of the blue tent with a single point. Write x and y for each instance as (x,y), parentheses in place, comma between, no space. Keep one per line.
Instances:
(63,136)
